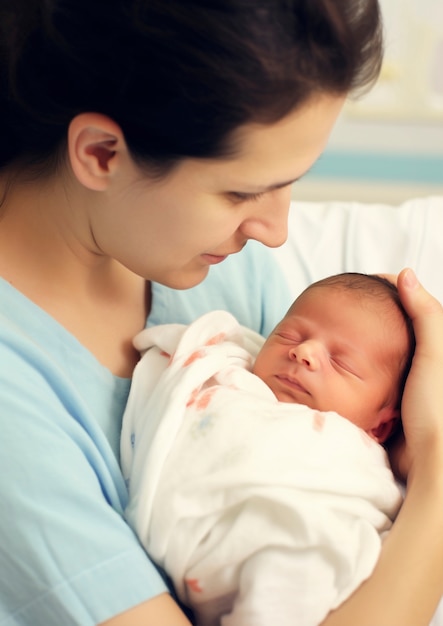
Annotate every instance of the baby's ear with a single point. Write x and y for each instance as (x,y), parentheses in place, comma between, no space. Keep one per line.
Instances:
(388,418)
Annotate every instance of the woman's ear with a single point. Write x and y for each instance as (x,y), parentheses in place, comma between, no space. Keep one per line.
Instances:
(96,145)
(388,421)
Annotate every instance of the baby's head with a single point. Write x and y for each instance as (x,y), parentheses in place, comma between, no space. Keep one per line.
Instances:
(345,345)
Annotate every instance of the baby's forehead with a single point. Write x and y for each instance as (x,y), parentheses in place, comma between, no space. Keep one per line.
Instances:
(329,304)
(369,299)
(317,297)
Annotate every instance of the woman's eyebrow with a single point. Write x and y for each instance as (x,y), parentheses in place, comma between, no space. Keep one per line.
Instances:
(280,185)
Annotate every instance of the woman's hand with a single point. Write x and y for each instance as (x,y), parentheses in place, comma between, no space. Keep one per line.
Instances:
(422,405)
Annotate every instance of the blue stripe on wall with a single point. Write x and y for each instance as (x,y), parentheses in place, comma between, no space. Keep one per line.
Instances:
(381,167)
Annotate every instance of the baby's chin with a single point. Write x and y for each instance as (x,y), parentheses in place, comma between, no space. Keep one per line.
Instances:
(292,396)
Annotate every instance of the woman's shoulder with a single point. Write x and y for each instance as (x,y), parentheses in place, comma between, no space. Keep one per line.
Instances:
(45,372)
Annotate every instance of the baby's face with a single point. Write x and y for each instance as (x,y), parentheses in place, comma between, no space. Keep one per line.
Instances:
(336,351)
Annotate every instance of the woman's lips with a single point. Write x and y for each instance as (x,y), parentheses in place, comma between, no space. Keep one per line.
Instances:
(213,259)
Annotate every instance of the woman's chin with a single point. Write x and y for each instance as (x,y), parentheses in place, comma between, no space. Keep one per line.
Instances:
(184,279)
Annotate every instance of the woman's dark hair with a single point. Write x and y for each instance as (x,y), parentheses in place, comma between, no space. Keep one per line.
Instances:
(178,76)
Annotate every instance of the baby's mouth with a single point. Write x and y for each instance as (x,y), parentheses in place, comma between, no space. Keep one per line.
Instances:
(293,383)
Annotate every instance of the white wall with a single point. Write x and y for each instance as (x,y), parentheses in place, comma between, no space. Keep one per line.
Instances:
(388,146)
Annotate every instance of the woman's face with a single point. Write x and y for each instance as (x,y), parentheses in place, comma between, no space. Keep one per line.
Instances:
(172,230)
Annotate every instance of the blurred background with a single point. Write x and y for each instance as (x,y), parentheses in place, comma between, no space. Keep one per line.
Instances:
(388,145)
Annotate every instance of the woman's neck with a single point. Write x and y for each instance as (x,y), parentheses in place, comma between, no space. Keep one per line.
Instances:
(47,253)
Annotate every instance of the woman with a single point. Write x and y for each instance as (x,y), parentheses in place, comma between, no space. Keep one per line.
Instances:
(145,141)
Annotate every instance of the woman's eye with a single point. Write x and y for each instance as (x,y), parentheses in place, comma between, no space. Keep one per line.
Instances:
(237,196)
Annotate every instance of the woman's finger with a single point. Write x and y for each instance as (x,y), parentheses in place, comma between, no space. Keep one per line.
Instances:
(422,402)
(425,311)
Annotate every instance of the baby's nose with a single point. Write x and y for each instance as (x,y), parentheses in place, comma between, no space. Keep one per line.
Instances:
(306,353)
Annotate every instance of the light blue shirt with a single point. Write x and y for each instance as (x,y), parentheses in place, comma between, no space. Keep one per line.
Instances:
(67,557)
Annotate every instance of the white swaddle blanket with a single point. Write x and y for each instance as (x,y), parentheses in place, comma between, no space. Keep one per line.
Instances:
(261,512)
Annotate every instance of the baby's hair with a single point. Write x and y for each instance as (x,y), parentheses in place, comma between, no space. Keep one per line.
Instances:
(375,286)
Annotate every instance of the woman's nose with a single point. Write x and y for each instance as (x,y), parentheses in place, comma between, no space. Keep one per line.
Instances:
(307,354)
(268,222)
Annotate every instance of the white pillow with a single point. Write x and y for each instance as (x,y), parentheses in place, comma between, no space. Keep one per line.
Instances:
(328,238)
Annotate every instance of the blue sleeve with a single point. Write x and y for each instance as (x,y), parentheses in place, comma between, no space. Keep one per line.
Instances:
(250,285)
